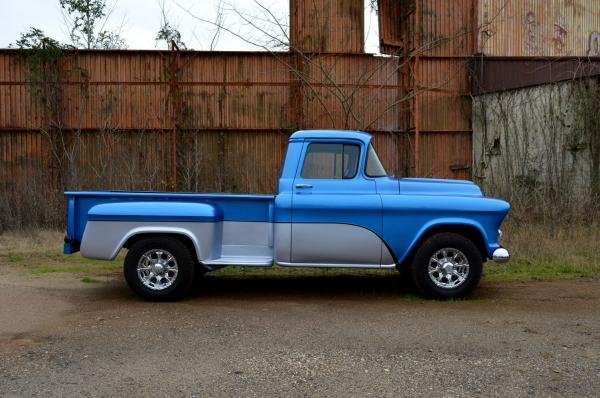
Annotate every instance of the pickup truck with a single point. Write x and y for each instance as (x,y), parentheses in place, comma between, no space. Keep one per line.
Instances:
(335,207)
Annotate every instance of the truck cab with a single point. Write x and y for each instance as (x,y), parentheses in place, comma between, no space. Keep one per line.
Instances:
(335,207)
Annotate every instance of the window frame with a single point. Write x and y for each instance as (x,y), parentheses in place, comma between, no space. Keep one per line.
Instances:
(368,150)
(343,144)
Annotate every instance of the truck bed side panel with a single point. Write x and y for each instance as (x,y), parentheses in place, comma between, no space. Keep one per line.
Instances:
(242,208)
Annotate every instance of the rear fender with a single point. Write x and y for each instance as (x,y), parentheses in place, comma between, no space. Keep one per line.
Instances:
(104,240)
(111,225)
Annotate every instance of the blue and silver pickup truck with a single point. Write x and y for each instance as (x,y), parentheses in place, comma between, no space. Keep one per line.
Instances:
(335,207)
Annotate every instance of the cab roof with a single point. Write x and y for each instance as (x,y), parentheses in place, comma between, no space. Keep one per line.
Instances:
(352,134)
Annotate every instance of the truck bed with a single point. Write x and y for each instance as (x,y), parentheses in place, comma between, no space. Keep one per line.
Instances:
(234,207)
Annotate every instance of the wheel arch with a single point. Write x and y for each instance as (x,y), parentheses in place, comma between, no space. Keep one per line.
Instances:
(470,231)
(186,239)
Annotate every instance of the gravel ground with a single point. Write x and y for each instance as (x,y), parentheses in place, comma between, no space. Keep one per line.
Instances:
(298,336)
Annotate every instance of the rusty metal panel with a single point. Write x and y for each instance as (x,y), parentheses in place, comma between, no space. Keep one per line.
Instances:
(327,26)
(94,90)
(445,103)
(133,160)
(447,27)
(446,154)
(252,161)
(105,90)
(234,91)
(23,155)
(391,16)
(355,92)
(230,161)
(224,116)
(19,106)
(257,93)
(539,27)
(108,90)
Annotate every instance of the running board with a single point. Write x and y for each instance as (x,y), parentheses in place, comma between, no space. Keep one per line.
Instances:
(239,260)
(327,265)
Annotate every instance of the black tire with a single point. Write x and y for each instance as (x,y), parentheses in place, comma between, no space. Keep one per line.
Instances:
(185,262)
(420,267)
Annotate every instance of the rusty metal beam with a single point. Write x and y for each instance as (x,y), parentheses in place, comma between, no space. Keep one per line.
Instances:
(175,97)
(417,83)
(494,74)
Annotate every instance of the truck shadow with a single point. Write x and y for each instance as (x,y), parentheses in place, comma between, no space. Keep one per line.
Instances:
(343,286)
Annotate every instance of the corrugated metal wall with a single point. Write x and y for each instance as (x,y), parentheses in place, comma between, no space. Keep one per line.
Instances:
(435,40)
(540,27)
(327,26)
(448,41)
(209,121)
(219,121)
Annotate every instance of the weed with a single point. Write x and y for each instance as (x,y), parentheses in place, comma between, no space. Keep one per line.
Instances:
(87,279)
(411,298)
(15,258)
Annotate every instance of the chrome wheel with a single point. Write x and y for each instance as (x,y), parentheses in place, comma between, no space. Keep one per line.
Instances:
(448,268)
(157,269)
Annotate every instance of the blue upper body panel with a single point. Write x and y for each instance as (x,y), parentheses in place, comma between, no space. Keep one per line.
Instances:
(165,206)
(155,211)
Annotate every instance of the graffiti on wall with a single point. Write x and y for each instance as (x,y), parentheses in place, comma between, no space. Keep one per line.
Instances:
(594,45)
(560,35)
(530,46)
(535,41)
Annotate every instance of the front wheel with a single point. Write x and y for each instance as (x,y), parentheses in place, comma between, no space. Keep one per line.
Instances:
(159,268)
(447,266)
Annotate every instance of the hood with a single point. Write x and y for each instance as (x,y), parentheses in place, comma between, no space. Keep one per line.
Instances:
(438,187)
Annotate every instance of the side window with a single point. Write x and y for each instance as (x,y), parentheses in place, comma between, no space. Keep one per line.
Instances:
(330,161)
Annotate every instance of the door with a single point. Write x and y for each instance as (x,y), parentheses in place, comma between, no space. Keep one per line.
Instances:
(336,211)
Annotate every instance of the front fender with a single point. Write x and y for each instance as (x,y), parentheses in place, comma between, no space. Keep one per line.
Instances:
(449,222)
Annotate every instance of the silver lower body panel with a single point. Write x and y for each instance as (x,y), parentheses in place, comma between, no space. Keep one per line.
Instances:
(257,244)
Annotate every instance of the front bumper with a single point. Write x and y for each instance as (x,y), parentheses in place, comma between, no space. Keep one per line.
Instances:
(501,255)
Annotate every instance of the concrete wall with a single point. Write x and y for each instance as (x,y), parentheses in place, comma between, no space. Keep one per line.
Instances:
(540,143)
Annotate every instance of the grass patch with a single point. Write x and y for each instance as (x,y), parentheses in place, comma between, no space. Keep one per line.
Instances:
(15,258)
(539,252)
(542,270)
(108,267)
(40,253)
(87,279)
(548,252)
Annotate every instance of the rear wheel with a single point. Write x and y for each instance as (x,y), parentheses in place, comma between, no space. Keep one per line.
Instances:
(447,266)
(159,268)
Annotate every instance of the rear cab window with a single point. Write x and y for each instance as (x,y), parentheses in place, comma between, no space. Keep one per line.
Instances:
(330,161)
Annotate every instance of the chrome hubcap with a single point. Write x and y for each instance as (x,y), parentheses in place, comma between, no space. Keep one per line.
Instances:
(157,269)
(448,268)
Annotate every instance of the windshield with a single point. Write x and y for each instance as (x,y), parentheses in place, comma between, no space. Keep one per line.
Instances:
(374,168)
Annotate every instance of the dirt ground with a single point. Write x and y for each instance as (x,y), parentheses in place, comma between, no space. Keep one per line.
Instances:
(297,336)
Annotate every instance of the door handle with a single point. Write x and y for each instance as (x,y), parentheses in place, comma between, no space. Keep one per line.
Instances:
(301,186)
